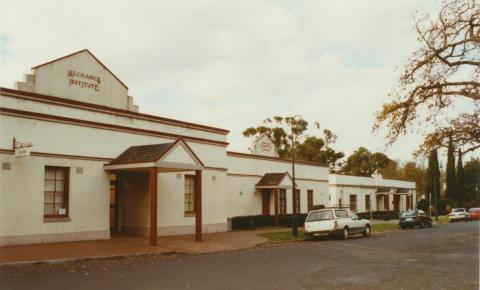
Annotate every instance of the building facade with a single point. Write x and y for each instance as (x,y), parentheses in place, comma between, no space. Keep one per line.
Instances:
(79,162)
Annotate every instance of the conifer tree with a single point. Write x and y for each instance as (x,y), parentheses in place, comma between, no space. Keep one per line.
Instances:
(450,173)
(460,179)
(432,178)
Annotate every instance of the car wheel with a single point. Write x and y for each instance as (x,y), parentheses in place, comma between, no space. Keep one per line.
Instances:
(367,232)
(430,224)
(402,227)
(346,234)
(422,225)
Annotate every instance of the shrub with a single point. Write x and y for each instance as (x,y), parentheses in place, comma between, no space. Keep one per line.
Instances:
(379,215)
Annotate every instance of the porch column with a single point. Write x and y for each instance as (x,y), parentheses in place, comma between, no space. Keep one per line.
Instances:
(153,206)
(276,206)
(198,205)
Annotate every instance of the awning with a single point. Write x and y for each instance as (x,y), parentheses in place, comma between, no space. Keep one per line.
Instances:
(167,157)
(392,190)
(275,180)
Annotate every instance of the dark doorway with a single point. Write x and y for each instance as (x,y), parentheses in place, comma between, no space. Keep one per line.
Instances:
(113,203)
(266,202)
(396,202)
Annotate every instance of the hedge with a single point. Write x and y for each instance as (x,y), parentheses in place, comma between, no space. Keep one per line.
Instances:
(379,215)
(253,221)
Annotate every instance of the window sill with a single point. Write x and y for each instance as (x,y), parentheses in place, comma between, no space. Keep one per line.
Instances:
(55,219)
(189,214)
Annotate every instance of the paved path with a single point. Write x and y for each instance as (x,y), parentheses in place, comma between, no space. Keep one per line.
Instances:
(442,257)
(133,245)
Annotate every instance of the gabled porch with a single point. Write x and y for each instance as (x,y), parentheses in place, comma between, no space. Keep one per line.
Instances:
(137,170)
(274,185)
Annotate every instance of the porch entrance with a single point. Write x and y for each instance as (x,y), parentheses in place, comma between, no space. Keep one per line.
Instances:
(136,175)
(270,186)
(266,202)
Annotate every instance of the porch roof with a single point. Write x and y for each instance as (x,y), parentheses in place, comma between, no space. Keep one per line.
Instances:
(394,190)
(174,156)
(275,180)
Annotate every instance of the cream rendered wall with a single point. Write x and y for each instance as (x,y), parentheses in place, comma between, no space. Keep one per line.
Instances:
(51,79)
(357,184)
(244,173)
(83,114)
(21,202)
(171,218)
(72,139)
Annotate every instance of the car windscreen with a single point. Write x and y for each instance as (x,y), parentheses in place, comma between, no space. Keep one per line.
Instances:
(474,209)
(409,213)
(458,210)
(341,213)
(320,216)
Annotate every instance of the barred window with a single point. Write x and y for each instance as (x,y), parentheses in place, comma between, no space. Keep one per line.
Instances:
(310,199)
(297,200)
(55,193)
(353,202)
(189,194)
(283,201)
(367,202)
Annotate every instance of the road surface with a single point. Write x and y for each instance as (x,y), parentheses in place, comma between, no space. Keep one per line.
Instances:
(443,257)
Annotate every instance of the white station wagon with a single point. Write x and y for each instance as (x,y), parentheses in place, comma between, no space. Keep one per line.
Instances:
(335,222)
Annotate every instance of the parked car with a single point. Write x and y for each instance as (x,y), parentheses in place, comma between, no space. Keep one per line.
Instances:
(458,214)
(335,222)
(474,213)
(412,218)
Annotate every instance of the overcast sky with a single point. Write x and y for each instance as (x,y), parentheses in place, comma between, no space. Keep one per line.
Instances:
(231,64)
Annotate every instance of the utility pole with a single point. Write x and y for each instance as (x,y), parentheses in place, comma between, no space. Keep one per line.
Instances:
(294,191)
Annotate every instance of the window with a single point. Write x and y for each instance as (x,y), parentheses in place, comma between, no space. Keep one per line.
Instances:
(55,193)
(353,202)
(386,203)
(310,199)
(320,216)
(189,194)
(297,200)
(367,202)
(283,201)
(341,213)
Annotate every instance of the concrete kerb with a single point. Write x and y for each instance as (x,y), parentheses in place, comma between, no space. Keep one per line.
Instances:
(95,258)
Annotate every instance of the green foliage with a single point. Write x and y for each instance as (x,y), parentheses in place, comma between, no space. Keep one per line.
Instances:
(472,182)
(432,177)
(285,130)
(363,163)
(450,173)
(460,179)
(412,172)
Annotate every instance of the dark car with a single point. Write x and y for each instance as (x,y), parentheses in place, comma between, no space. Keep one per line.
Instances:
(412,218)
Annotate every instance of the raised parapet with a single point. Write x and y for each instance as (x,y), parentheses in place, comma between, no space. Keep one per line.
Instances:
(28,84)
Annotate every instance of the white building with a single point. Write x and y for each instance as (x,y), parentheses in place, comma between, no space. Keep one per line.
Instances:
(96,165)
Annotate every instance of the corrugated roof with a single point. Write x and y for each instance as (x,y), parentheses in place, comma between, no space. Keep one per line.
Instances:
(142,154)
(271,179)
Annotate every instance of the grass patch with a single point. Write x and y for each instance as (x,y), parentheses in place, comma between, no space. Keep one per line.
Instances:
(286,236)
(442,219)
(282,236)
(384,227)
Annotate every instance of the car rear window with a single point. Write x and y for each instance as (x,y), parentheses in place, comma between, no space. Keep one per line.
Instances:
(320,216)
(458,210)
(409,213)
(341,213)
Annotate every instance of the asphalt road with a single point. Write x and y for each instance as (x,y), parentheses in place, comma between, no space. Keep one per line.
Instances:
(443,257)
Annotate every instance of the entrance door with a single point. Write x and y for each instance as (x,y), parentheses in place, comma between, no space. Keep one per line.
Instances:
(113,202)
(396,202)
(265,202)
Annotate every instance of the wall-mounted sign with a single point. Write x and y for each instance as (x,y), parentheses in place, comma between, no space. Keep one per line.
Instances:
(266,146)
(83,80)
(21,149)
